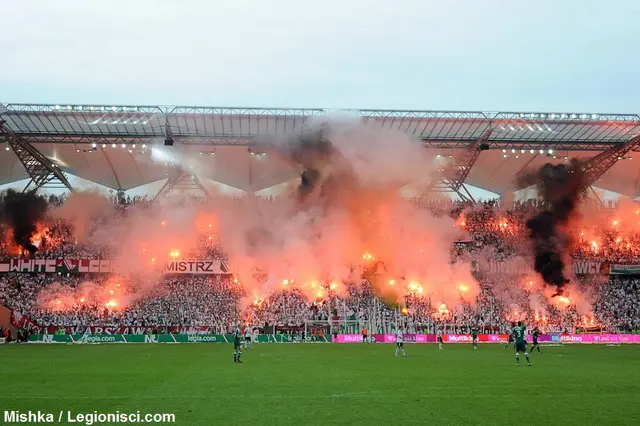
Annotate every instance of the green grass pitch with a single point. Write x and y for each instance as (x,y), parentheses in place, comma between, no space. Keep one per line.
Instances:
(302,384)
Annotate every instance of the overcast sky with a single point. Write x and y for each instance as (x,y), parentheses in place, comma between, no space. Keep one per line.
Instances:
(491,55)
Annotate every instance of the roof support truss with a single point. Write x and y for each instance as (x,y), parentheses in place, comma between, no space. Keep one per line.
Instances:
(180,180)
(595,197)
(40,170)
(456,174)
(445,185)
(597,166)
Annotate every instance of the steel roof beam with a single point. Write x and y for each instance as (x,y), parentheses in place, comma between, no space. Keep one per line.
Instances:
(597,166)
(39,168)
(457,173)
(181,180)
(531,117)
(256,140)
(85,108)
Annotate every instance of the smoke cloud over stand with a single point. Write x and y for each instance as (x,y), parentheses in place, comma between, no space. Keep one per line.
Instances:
(81,209)
(345,220)
(560,187)
(347,217)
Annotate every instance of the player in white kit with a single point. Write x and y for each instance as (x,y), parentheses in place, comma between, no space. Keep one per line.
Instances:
(248,337)
(400,342)
(440,341)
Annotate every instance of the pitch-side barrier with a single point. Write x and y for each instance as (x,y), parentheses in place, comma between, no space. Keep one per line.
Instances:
(340,338)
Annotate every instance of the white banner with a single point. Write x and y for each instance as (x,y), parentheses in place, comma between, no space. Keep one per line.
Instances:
(111,266)
(196,267)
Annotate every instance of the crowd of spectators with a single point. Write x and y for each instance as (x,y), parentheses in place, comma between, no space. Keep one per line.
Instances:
(618,303)
(78,300)
(217,302)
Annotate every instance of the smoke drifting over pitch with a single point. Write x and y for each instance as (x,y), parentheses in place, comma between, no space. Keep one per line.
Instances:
(22,211)
(560,187)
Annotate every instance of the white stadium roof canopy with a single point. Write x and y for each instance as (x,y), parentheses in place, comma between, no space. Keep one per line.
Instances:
(111,145)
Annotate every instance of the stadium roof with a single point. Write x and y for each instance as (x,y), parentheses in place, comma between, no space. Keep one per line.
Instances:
(73,137)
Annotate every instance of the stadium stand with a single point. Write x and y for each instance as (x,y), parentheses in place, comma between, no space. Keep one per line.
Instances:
(212,301)
(111,145)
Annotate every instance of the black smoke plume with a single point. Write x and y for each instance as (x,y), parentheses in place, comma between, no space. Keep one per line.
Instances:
(560,187)
(325,171)
(21,211)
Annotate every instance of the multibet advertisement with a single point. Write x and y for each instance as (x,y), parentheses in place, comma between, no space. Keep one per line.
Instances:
(494,338)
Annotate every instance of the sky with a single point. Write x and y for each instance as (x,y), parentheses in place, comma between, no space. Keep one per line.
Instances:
(573,56)
(490,55)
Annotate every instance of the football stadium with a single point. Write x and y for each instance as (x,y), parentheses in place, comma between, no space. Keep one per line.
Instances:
(214,265)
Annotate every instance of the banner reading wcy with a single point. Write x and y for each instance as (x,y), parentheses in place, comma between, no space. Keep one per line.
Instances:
(521,266)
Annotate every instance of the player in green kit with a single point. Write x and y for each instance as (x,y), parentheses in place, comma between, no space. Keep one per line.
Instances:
(237,346)
(519,334)
(510,340)
(474,336)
